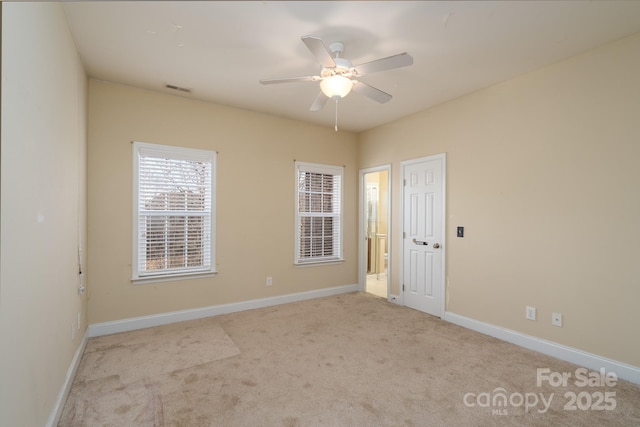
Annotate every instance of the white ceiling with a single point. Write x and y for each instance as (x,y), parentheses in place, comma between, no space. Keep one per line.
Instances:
(221,49)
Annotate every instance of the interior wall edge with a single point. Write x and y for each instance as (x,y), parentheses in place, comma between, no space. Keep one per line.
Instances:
(142,322)
(56,412)
(568,354)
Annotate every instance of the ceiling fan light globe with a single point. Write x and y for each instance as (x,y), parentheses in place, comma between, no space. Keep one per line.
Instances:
(336,87)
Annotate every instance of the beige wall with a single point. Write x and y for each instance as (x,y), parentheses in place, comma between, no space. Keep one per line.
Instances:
(542,171)
(43,209)
(255,200)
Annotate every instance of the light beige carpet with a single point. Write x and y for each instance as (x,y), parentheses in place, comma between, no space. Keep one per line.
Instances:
(349,360)
(118,373)
(148,353)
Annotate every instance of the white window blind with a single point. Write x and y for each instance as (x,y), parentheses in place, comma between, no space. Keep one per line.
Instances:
(318,213)
(173,211)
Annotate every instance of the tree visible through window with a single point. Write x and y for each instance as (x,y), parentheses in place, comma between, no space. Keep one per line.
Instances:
(174,213)
(318,213)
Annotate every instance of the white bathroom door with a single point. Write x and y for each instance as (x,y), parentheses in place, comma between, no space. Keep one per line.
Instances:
(423,234)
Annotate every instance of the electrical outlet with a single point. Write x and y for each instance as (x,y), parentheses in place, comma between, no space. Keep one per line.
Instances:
(556,319)
(530,313)
(269,281)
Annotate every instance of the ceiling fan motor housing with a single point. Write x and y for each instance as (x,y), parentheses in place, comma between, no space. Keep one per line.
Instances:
(343,67)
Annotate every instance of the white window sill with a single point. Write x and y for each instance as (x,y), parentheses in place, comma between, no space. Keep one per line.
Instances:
(319,262)
(172,277)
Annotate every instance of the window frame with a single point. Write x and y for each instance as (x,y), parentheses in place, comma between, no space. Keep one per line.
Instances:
(336,171)
(175,153)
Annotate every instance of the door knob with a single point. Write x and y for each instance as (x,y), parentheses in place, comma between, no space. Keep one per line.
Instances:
(436,245)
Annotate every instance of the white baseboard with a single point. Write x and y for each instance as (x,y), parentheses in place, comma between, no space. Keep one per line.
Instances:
(125,325)
(569,354)
(394,299)
(56,413)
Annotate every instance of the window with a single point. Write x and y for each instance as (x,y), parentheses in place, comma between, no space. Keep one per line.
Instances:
(174,200)
(318,213)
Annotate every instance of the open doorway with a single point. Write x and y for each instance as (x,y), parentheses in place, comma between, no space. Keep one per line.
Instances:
(375,227)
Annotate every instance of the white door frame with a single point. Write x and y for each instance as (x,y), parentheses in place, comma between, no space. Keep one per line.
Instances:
(362,230)
(443,157)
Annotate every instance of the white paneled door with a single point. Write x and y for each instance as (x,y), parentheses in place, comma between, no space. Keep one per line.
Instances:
(423,234)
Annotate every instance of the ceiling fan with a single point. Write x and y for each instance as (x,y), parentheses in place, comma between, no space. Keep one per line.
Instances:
(338,76)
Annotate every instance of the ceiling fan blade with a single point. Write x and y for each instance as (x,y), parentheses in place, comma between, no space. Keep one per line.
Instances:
(371,92)
(319,102)
(388,63)
(291,79)
(319,50)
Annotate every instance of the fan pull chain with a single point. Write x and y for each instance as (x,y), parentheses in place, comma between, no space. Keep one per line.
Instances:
(336,127)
